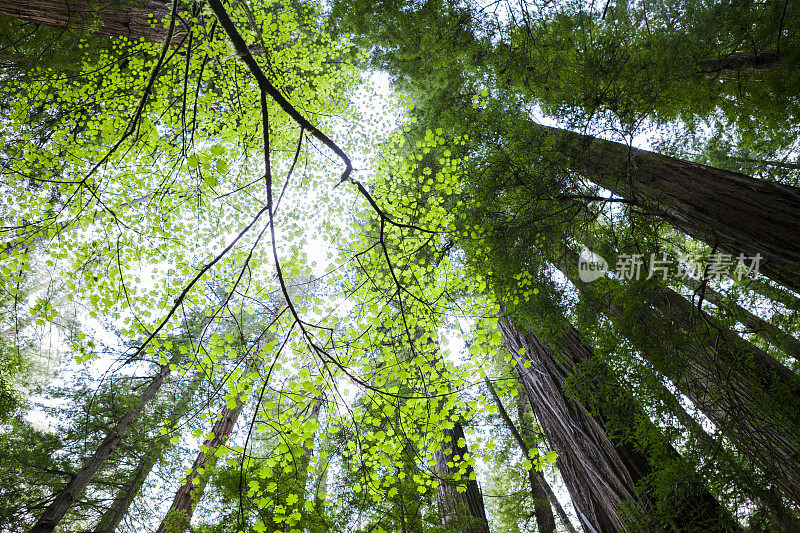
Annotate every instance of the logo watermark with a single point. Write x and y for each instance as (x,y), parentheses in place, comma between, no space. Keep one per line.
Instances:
(592,266)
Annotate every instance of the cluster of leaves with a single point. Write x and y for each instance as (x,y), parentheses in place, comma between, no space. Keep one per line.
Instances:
(129,156)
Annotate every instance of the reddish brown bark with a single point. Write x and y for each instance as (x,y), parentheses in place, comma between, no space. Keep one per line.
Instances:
(68,495)
(111,519)
(461,511)
(189,494)
(602,472)
(746,393)
(77,485)
(736,213)
(129,19)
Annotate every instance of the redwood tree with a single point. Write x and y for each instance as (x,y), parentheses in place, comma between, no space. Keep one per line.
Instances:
(746,393)
(461,511)
(604,464)
(190,492)
(133,19)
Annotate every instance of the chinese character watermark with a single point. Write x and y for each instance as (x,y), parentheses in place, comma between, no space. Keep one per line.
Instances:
(592,266)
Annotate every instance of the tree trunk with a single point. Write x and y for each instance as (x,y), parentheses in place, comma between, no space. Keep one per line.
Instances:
(110,520)
(755,324)
(737,213)
(728,464)
(67,496)
(543,496)
(600,472)
(746,393)
(308,447)
(461,511)
(741,61)
(776,294)
(301,464)
(409,499)
(128,18)
(191,492)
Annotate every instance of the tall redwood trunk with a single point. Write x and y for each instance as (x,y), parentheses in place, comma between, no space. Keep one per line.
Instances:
(746,393)
(68,495)
(461,511)
(110,520)
(730,466)
(602,472)
(737,213)
(126,18)
(754,323)
(776,294)
(543,497)
(191,492)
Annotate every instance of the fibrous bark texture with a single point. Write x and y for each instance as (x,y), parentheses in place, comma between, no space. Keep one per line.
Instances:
(738,214)
(132,19)
(601,471)
(461,511)
(746,393)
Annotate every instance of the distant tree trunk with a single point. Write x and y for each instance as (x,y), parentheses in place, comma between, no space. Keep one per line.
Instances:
(779,295)
(320,487)
(543,497)
(19,325)
(755,324)
(191,492)
(301,471)
(746,393)
(741,61)
(111,518)
(730,465)
(526,430)
(407,499)
(67,496)
(602,472)
(737,213)
(461,511)
(127,18)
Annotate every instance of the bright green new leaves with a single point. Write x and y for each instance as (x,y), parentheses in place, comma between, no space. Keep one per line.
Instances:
(185,180)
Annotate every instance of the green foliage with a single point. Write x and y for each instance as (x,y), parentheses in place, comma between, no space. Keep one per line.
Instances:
(134,174)
(11,365)
(677,60)
(29,470)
